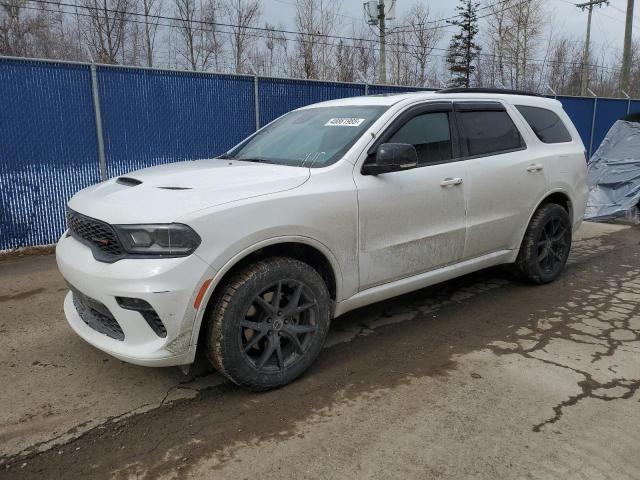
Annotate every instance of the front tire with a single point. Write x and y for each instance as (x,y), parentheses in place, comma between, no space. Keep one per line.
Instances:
(268,323)
(546,245)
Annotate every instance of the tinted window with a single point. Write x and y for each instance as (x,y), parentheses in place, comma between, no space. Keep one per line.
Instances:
(430,134)
(487,132)
(546,124)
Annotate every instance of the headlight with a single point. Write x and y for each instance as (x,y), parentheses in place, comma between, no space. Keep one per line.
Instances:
(174,239)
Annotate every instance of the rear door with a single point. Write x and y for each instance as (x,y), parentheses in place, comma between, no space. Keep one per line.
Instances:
(413,221)
(505,177)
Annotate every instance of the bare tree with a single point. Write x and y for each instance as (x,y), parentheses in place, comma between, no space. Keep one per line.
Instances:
(133,52)
(529,19)
(316,20)
(105,28)
(422,36)
(213,38)
(187,29)
(563,73)
(364,55)
(345,63)
(514,30)
(496,29)
(36,30)
(151,12)
(276,44)
(328,24)
(242,15)
(16,28)
(304,62)
(398,57)
(634,84)
(197,37)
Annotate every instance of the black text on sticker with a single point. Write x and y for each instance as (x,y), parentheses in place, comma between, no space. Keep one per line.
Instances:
(344,122)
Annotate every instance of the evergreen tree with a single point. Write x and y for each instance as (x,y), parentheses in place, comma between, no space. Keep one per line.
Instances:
(463,49)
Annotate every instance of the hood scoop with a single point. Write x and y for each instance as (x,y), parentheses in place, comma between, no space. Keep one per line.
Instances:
(175,188)
(128,181)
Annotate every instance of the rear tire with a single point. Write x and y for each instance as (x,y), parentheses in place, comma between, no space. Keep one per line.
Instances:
(546,245)
(268,323)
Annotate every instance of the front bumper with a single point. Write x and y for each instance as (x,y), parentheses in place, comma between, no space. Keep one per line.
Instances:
(169,285)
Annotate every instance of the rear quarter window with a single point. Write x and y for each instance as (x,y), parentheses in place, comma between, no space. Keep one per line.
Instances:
(488,132)
(545,124)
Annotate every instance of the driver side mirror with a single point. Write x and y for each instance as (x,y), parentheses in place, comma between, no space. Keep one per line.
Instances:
(392,157)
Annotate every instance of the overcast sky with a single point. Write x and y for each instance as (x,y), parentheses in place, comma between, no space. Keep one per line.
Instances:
(607,29)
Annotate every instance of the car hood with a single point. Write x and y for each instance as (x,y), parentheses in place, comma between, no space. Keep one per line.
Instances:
(167,192)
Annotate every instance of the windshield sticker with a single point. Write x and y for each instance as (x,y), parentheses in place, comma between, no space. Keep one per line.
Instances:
(344,122)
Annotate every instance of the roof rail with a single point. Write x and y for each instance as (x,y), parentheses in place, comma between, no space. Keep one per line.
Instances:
(487,90)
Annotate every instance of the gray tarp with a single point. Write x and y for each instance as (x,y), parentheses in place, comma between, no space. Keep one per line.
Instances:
(614,174)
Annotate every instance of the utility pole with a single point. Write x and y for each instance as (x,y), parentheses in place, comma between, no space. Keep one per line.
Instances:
(626,53)
(584,80)
(382,65)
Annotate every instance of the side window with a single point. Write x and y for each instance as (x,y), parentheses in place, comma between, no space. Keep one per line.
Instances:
(430,134)
(545,124)
(488,132)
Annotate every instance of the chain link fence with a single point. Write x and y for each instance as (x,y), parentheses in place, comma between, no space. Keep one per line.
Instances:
(65,126)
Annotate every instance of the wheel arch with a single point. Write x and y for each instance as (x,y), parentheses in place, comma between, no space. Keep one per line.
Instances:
(306,249)
(559,197)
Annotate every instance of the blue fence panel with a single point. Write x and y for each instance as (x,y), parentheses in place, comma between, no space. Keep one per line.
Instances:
(151,117)
(279,95)
(47,147)
(635,106)
(608,111)
(580,110)
(47,128)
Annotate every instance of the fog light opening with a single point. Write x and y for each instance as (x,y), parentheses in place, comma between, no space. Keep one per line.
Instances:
(146,310)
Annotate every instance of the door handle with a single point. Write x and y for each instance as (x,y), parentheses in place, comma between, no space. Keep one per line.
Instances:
(534,167)
(450,181)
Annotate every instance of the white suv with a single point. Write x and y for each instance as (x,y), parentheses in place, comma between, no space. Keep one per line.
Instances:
(326,209)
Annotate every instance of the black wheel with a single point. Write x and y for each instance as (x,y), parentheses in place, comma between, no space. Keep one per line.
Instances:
(268,323)
(546,245)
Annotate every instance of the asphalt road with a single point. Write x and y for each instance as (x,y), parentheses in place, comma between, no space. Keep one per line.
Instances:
(481,377)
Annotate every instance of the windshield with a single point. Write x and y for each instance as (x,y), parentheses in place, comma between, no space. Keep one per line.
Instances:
(314,137)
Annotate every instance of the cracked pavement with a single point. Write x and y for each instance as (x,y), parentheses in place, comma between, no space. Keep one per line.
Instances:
(480,377)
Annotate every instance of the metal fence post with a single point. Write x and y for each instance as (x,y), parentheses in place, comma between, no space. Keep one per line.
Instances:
(593,120)
(365,81)
(628,101)
(102,162)
(256,95)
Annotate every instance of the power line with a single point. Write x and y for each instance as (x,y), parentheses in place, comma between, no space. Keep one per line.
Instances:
(303,37)
(359,19)
(411,28)
(202,22)
(206,22)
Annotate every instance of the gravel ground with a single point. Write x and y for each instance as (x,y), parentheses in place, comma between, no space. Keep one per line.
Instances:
(480,377)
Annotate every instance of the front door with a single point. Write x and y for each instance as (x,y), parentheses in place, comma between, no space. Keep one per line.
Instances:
(413,221)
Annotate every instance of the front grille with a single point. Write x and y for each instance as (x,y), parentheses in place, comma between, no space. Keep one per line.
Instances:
(100,236)
(96,315)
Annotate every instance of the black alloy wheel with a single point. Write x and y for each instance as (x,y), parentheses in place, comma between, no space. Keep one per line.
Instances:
(268,323)
(546,245)
(279,325)
(553,245)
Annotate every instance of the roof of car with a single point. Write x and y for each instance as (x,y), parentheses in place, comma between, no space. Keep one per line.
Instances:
(392,99)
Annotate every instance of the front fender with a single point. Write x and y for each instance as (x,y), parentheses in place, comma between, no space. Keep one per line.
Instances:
(229,263)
